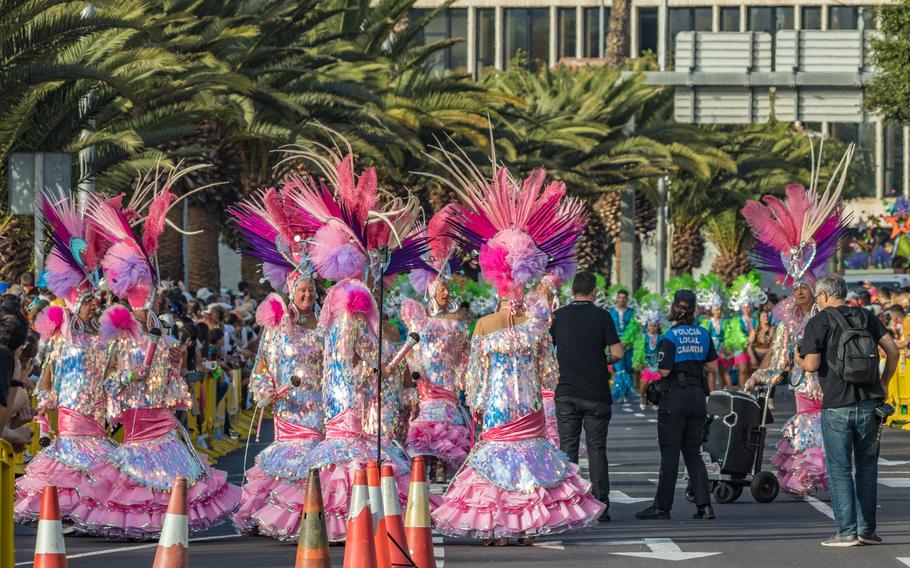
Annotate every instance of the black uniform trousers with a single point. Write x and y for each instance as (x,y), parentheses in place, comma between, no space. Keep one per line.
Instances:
(680,426)
(571,414)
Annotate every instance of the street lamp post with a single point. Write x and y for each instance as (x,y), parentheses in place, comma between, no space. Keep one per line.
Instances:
(662,45)
(86,155)
(601,20)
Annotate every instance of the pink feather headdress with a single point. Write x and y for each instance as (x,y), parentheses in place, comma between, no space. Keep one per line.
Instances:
(124,256)
(350,297)
(522,229)
(796,236)
(51,321)
(352,223)
(271,311)
(441,262)
(117,322)
(70,271)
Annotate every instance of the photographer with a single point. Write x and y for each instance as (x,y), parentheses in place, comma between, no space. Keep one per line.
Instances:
(686,351)
(841,343)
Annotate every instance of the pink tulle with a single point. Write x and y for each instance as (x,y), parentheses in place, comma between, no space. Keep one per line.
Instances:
(51,321)
(648,376)
(475,508)
(126,268)
(62,278)
(279,516)
(118,507)
(351,297)
(335,255)
(447,441)
(154,223)
(741,359)
(118,322)
(271,311)
(800,473)
(42,471)
(277,275)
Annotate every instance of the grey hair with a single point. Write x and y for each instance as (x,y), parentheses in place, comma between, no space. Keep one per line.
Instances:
(832,285)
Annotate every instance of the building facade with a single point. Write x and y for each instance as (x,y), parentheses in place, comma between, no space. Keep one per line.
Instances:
(728,61)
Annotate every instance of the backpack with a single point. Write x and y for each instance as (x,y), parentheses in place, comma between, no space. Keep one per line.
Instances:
(857,351)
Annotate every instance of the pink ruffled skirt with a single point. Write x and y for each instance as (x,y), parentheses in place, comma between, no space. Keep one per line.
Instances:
(129,493)
(66,463)
(800,458)
(649,376)
(440,431)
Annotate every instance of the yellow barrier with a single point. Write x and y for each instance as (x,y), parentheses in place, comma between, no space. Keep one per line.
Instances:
(899,395)
(7,494)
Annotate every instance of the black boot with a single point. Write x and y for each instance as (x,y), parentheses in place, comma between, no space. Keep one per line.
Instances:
(704,512)
(653,513)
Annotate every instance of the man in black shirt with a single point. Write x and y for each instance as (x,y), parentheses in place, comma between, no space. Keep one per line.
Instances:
(849,421)
(582,333)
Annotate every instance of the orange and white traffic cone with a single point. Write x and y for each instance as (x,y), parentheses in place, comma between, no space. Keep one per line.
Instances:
(50,551)
(394,522)
(173,546)
(313,544)
(380,538)
(417,527)
(360,551)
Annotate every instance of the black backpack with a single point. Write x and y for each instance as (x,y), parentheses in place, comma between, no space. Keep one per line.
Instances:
(857,351)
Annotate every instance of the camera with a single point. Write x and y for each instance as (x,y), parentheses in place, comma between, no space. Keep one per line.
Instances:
(884,410)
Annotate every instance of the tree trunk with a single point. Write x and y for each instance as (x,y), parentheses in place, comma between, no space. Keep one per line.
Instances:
(251,274)
(17,235)
(170,247)
(204,268)
(688,248)
(618,33)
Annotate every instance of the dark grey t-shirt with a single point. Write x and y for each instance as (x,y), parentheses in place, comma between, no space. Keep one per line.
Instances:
(821,338)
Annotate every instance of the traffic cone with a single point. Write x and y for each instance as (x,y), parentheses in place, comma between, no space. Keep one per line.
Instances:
(173,546)
(359,550)
(417,526)
(380,538)
(313,545)
(394,523)
(49,549)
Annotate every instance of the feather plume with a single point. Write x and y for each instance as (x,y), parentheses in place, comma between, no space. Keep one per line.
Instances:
(439,232)
(274,204)
(118,322)
(127,272)
(271,311)
(335,255)
(154,224)
(350,297)
(51,321)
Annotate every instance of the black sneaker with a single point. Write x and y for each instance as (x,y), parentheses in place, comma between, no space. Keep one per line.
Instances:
(841,541)
(653,513)
(870,538)
(704,512)
(604,517)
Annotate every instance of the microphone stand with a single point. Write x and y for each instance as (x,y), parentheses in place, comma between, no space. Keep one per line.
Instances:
(383,259)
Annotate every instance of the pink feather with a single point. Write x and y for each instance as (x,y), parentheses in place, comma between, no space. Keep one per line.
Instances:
(798,203)
(785,221)
(350,297)
(421,279)
(50,322)
(334,255)
(271,311)
(61,277)
(274,204)
(495,268)
(438,230)
(764,225)
(118,322)
(276,274)
(154,223)
(126,268)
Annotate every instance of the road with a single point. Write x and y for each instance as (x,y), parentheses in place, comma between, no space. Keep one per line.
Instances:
(785,533)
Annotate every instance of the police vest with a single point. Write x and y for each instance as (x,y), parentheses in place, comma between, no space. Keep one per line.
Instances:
(691,342)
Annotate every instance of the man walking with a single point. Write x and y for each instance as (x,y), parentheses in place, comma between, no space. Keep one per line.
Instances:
(841,343)
(582,333)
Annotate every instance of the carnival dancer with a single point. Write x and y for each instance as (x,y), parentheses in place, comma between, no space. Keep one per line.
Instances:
(623,316)
(745,295)
(646,349)
(144,383)
(287,373)
(356,238)
(441,429)
(711,300)
(72,378)
(796,237)
(514,483)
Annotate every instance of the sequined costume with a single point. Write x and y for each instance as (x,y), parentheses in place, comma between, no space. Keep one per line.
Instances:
(623,385)
(395,400)
(441,428)
(800,458)
(286,350)
(77,394)
(514,483)
(130,493)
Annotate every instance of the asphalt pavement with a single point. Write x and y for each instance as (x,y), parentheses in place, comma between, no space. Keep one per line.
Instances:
(785,533)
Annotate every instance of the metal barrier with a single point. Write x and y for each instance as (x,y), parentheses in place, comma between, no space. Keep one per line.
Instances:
(7,496)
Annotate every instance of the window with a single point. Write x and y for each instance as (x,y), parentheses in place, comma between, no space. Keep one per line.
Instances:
(729,19)
(591,48)
(843,18)
(486,38)
(770,19)
(565,28)
(862,172)
(647,30)
(894,160)
(810,18)
(688,20)
(527,32)
(867,16)
(450,23)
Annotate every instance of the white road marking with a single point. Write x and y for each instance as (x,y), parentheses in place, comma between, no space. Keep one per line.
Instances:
(895,481)
(886,463)
(679,483)
(822,508)
(652,420)
(905,560)
(620,497)
(638,415)
(626,409)
(439,551)
(661,548)
(131,548)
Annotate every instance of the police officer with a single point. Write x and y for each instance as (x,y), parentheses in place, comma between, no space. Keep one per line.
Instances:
(685,351)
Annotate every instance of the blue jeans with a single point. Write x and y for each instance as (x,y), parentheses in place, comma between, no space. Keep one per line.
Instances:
(849,434)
